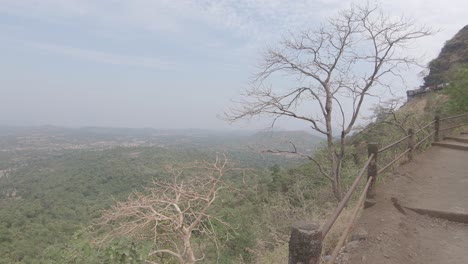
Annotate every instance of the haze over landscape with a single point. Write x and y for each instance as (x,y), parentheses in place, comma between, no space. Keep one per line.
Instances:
(233,132)
(161,64)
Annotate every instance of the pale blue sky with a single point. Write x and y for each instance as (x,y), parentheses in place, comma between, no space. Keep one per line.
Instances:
(152,63)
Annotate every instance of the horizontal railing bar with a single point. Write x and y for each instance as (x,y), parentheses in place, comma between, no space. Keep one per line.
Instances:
(327,226)
(424,139)
(452,127)
(393,161)
(393,144)
(452,117)
(350,224)
(424,127)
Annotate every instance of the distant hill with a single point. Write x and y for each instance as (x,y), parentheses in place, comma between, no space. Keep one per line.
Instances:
(59,138)
(454,53)
(281,140)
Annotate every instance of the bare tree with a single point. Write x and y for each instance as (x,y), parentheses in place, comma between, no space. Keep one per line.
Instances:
(386,113)
(336,67)
(170,213)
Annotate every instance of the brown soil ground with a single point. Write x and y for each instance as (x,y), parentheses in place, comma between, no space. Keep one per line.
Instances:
(435,180)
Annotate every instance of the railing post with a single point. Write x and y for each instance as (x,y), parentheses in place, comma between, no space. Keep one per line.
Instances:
(372,148)
(436,128)
(410,144)
(305,243)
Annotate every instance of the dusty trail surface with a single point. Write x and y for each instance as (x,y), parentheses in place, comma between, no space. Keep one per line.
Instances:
(435,180)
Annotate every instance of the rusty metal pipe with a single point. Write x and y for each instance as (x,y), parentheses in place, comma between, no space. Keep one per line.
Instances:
(350,224)
(453,117)
(452,127)
(331,220)
(393,144)
(424,127)
(424,139)
(393,161)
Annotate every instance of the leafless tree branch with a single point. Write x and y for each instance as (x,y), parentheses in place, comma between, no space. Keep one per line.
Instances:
(170,212)
(348,58)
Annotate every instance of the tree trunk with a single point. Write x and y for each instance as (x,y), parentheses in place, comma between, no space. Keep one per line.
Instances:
(334,163)
(339,164)
(336,189)
(335,173)
(334,168)
(338,192)
(189,256)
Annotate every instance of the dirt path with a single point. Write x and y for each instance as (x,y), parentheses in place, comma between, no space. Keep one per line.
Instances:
(435,180)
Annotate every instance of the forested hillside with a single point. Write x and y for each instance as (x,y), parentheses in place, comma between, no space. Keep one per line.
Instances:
(55,182)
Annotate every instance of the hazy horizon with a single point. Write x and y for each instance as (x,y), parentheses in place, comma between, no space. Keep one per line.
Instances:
(161,64)
(221,130)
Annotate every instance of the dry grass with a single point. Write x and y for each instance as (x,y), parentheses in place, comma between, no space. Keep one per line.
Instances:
(416,105)
(277,256)
(335,232)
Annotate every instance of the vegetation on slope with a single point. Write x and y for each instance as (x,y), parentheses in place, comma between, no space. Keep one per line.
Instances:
(453,54)
(457,91)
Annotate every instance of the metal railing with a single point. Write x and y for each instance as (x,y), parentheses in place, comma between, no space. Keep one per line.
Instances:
(368,191)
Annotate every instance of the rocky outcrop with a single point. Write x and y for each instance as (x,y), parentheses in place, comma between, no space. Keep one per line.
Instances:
(454,53)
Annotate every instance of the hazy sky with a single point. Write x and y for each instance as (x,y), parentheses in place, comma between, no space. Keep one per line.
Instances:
(155,63)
